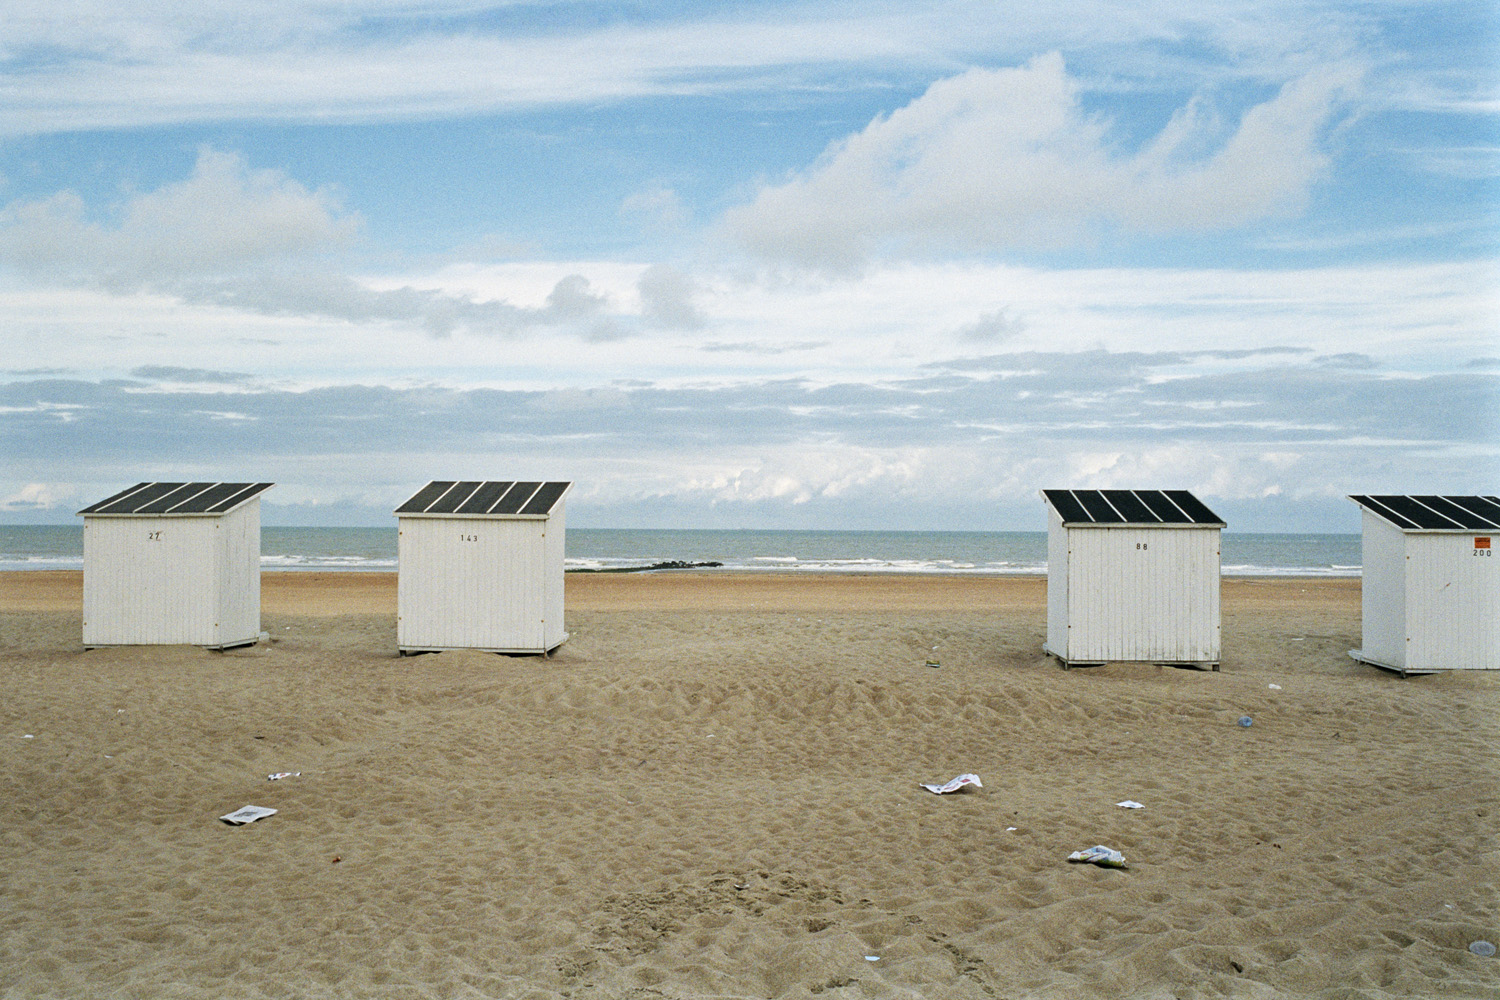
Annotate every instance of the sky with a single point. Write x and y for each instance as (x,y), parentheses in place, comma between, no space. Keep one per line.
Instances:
(857,265)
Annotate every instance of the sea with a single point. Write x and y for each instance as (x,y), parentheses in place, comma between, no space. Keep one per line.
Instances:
(977,553)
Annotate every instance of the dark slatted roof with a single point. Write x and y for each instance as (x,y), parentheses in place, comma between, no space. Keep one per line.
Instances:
(424,497)
(449,501)
(1132,507)
(1435,513)
(548,494)
(514,498)
(151,499)
(485,499)
(482,499)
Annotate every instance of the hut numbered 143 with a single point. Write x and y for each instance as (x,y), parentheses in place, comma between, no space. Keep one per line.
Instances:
(173,563)
(1132,575)
(1430,594)
(481,567)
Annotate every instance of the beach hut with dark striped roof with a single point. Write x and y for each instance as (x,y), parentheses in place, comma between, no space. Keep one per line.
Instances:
(1132,575)
(167,563)
(481,567)
(1430,588)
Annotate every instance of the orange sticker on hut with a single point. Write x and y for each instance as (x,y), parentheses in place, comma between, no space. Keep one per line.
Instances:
(1481,543)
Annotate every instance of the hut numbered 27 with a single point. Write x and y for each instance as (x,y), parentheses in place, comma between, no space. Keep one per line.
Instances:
(171,563)
(481,567)
(1132,575)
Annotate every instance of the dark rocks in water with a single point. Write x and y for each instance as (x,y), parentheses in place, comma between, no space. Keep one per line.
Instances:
(668,564)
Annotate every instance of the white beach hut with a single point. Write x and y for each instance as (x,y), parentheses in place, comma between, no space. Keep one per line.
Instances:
(173,563)
(1430,594)
(481,567)
(1132,575)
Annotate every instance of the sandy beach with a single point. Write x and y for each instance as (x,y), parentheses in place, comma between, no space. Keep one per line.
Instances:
(712,790)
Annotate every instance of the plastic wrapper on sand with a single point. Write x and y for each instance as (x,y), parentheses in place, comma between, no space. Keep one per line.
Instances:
(1099,855)
(247,814)
(955,784)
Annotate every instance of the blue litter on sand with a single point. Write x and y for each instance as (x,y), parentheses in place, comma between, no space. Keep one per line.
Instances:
(1245,721)
(1483,949)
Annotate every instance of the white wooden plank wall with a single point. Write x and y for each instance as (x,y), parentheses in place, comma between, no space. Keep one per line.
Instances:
(149,580)
(470,583)
(1382,599)
(1057,584)
(555,528)
(239,579)
(1144,594)
(1452,604)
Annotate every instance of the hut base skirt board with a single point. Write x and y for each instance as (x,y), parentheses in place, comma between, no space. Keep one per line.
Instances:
(533,651)
(1067,664)
(216,647)
(1360,656)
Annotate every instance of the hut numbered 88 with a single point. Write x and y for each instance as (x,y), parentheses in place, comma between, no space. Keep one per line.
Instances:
(1132,575)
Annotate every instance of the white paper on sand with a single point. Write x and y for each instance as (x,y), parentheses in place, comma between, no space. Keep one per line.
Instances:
(283,774)
(1099,855)
(955,784)
(1130,804)
(247,814)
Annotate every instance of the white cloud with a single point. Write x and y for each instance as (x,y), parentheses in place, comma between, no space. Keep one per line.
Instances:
(959,438)
(868,477)
(257,241)
(571,298)
(1230,470)
(37,496)
(667,298)
(891,322)
(89,64)
(322,63)
(801,474)
(660,210)
(995,159)
(223,218)
(572,305)
(1478,162)
(992,328)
